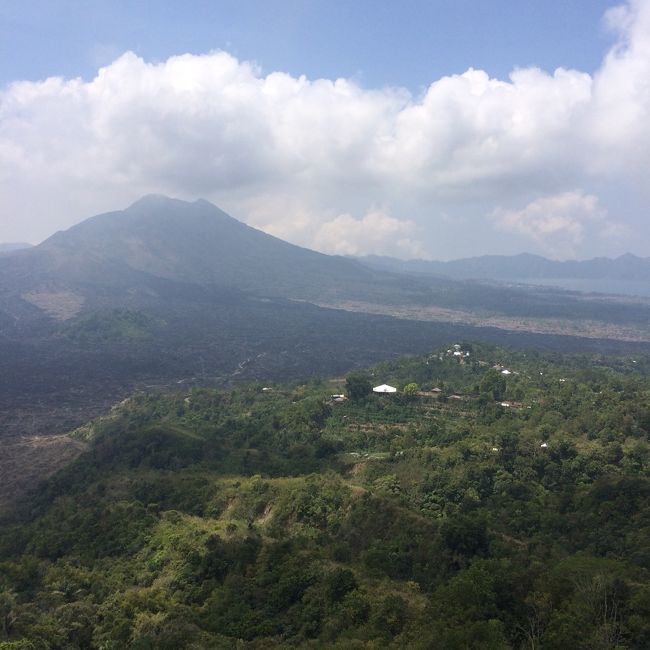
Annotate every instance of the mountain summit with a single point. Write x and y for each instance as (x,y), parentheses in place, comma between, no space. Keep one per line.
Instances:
(192,242)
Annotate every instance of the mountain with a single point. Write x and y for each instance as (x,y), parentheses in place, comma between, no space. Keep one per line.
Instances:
(170,256)
(159,244)
(187,242)
(8,247)
(522,267)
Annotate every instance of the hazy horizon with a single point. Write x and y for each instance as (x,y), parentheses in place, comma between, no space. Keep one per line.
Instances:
(9,246)
(441,132)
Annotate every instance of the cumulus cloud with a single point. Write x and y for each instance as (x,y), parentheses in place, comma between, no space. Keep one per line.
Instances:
(557,223)
(618,123)
(308,159)
(376,233)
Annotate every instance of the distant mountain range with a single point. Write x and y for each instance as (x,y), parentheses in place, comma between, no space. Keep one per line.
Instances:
(124,258)
(161,246)
(521,267)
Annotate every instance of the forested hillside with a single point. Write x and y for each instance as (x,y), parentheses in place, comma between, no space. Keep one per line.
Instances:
(498,500)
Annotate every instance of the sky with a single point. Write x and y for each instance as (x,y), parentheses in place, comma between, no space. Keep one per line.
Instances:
(434,128)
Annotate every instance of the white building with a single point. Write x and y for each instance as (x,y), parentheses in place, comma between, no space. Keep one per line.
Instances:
(384,388)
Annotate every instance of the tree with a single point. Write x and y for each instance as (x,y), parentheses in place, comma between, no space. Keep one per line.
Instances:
(357,386)
(7,614)
(493,383)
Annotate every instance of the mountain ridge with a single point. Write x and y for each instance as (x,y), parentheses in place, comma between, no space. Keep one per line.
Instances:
(520,267)
(195,242)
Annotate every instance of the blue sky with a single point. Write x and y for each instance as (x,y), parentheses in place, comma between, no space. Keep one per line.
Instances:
(373,41)
(415,129)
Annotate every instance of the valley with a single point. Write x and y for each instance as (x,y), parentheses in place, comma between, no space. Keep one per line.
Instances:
(169,293)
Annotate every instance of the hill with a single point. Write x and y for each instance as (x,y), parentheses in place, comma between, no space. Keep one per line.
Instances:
(271,516)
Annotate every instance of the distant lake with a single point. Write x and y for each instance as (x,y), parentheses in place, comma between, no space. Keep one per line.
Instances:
(624,287)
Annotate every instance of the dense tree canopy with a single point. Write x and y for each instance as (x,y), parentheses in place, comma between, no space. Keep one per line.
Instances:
(358,386)
(263,519)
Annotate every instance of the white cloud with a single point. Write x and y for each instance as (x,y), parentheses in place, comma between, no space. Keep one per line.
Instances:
(618,123)
(308,159)
(557,223)
(376,233)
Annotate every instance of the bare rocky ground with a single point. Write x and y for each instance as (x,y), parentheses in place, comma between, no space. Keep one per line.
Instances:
(593,329)
(28,459)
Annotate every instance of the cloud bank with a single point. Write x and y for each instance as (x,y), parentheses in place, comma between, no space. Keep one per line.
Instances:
(557,223)
(540,161)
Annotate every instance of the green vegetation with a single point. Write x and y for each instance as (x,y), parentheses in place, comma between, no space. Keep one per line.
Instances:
(358,386)
(281,518)
(110,326)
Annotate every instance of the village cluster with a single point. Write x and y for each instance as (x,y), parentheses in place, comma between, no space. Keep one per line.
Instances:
(459,354)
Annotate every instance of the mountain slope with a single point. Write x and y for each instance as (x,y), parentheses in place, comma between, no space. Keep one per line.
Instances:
(196,243)
(8,247)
